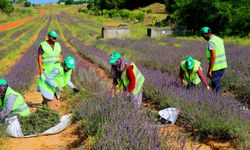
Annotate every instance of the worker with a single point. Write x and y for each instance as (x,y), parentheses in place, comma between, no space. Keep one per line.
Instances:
(12,103)
(191,73)
(128,78)
(49,52)
(53,79)
(216,56)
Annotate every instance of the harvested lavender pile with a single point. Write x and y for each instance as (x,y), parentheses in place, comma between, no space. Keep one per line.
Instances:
(39,121)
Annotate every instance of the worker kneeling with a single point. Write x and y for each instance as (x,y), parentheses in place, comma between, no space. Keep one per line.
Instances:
(53,79)
(191,73)
(128,78)
(12,103)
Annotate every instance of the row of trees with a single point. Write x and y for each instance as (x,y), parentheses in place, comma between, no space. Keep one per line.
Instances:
(225,17)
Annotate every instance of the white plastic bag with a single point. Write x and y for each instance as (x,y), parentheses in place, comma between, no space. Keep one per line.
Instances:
(170,114)
(14,127)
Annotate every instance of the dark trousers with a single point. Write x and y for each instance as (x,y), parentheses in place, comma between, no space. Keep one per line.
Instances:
(216,80)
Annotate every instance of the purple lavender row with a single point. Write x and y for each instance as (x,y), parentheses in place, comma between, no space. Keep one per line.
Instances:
(67,52)
(148,49)
(85,49)
(23,73)
(76,19)
(73,20)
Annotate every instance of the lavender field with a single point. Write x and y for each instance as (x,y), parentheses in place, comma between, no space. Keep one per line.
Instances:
(159,61)
(111,122)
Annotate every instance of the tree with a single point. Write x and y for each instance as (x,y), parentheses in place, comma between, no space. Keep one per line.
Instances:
(6,6)
(27,4)
(225,17)
(69,2)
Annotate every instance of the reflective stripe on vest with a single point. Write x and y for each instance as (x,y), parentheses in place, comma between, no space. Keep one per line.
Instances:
(50,59)
(220,58)
(19,106)
(50,56)
(60,79)
(191,78)
(138,83)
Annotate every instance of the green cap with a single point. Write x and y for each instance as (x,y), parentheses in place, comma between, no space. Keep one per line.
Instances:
(70,62)
(2,81)
(114,57)
(189,63)
(205,30)
(52,34)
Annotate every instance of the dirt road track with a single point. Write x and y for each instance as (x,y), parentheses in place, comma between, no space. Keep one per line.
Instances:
(18,22)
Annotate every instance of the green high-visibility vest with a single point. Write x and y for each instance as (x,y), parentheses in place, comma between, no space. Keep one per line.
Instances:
(220,58)
(50,56)
(19,106)
(193,77)
(60,80)
(124,81)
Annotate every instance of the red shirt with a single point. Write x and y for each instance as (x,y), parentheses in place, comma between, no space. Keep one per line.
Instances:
(131,77)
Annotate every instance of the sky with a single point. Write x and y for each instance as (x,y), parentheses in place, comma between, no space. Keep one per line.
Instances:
(42,1)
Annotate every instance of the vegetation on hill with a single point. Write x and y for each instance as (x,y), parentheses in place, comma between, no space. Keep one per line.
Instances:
(228,18)
(224,17)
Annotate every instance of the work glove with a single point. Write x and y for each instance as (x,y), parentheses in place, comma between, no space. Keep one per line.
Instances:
(57,96)
(59,89)
(76,90)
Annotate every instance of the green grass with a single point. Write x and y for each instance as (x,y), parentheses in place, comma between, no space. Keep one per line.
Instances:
(238,40)
(138,31)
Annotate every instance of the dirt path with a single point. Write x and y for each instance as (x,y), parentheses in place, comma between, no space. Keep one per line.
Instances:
(18,22)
